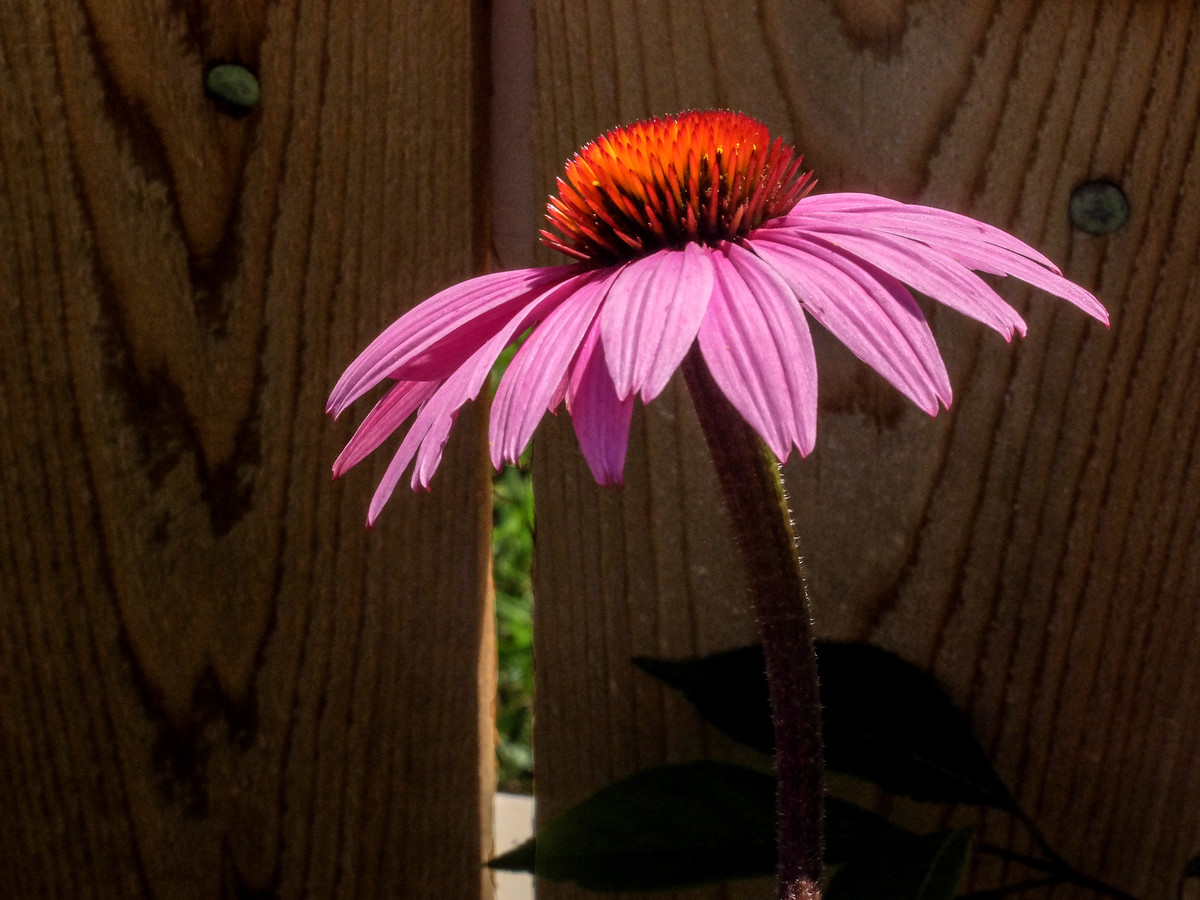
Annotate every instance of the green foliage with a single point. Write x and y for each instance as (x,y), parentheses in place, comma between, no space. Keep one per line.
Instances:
(669,826)
(923,867)
(885,720)
(853,833)
(890,722)
(512,550)
(728,689)
(694,823)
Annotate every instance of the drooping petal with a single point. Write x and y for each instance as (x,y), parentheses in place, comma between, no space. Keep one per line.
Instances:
(601,418)
(456,321)
(868,311)
(757,346)
(926,269)
(535,378)
(1001,262)
(426,438)
(909,218)
(431,429)
(384,418)
(391,476)
(651,317)
(974,244)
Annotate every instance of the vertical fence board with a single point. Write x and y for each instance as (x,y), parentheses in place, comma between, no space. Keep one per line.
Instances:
(213,680)
(1036,545)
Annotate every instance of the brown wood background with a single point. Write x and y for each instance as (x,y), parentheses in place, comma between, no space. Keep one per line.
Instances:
(214,682)
(1037,545)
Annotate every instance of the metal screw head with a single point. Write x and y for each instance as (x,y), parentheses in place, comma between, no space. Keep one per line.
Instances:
(233,86)
(1098,207)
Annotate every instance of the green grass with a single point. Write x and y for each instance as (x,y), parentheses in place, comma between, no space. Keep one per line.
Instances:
(512,549)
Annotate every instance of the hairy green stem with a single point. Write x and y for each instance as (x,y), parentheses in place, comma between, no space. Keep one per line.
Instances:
(758,510)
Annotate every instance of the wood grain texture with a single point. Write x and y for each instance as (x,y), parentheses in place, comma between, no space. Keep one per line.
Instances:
(1036,546)
(213,680)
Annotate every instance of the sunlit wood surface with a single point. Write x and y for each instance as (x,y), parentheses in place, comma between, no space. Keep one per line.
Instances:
(1036,546)
(213,681)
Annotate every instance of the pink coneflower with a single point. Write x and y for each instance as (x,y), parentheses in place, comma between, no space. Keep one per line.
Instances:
(689,229)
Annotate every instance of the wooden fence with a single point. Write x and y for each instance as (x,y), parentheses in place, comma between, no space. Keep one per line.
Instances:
(215,683)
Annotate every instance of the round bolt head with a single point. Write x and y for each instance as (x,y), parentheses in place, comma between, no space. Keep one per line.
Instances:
(1099,207)
(234,86)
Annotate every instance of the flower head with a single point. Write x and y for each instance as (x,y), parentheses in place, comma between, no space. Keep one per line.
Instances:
(697,177)
(689,229)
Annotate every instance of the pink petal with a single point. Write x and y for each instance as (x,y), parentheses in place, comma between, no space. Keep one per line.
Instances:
(908,218)
(429,432)
(758,348)
(536,377)
(867,310)
(601,418)
(925,269)
(651,317)
(974,244)
(391,477)
(384,418)
(455,322)
(426,438)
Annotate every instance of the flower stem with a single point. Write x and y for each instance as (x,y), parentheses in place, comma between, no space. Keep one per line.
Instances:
(762,523)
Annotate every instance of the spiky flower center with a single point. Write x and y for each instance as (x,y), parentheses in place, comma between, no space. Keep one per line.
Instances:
(699,176)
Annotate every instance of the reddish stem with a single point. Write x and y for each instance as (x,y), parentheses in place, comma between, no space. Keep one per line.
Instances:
(762,522)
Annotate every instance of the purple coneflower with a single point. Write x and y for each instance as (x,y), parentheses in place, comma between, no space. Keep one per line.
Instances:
(689,229)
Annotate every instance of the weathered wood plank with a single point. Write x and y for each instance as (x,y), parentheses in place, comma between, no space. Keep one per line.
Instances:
(1036,545)
(214,681)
